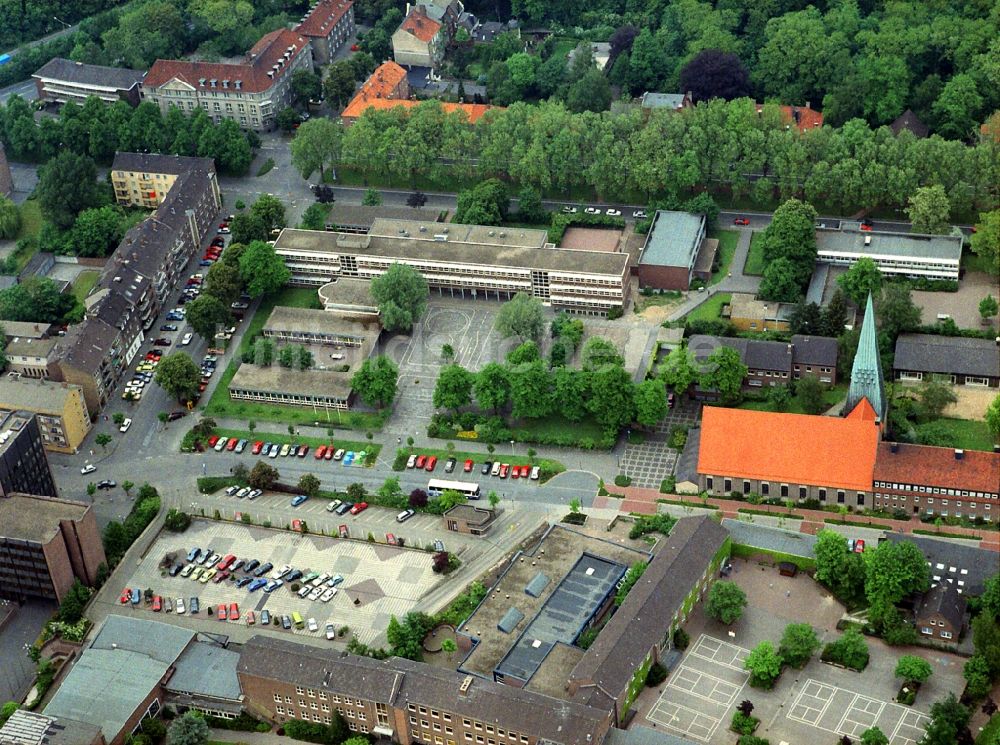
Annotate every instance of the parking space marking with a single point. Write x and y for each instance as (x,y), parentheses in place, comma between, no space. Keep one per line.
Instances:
(704,686)
(672,716)
(715,650)
(914,729)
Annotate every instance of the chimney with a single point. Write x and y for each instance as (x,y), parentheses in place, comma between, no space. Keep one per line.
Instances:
(959,454)
(894,447)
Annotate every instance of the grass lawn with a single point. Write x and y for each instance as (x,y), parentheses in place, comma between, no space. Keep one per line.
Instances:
(554,425)
(727,249)
(991,732)
(969,434)
(830,397)
(220,405)
(711,309)
(31,219)
(755,259)
(564,46)
(84,283)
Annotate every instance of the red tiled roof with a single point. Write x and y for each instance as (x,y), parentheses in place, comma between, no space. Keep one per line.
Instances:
(324,17)
(808,118)
(252,73)
(788,448)
(924,465)
(991,127)
(418,24)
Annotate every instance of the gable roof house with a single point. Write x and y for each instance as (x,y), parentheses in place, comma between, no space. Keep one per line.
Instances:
(420,40)
(327,26)
(962,361)
(940,613)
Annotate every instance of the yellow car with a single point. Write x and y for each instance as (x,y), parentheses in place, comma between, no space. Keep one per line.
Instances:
(196,574)
(206,575)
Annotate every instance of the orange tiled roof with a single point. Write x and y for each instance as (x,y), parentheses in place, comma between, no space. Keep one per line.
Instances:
(808,118)
(991,127)
(924,465)
(420,25)
(788,448)
(252,74)
(324,17)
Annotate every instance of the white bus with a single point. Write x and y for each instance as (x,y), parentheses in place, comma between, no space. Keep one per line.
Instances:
(435,487)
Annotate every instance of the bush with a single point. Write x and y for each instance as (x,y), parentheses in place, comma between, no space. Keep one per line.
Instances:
(656,675)
(753,740)
(726,602)
(681,639)
(652,524)
(742,724)
(622,480)
(177,521)
(243,723)
(850,650)
(587,637)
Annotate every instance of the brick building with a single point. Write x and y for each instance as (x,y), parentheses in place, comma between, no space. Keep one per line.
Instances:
(327,26)
(45,545)
(955,359)
(771,363)
(940,614)
(61,409)
(467,518)
(671,250)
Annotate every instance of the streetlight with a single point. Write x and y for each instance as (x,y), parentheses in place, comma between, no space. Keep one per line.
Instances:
(54,18)
(511,447)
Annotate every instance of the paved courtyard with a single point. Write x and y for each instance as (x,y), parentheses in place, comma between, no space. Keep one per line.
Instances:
(650,462)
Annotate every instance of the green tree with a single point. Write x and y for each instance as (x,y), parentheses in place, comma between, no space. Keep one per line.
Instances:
(222,281)
(529,206)
(270,210)
(492,387)
(7,711)
(97,231)
(985,241)
(978,681)
(487,203)
(896,310)
(127,486)
(934,396)
(205,314)
(592,92)
(188,729)
(38,299)
(894,570)
(678,370)
(837,567)
(314,217)
(993,417)
(862,278)
(262,270)
(612,398)
(949,723)
(929,210)
(306,86)
(523,354)
(530,390)
(376,381)
(67,185)
(781,282)
(149,32)
(224,17)
(810,394)
(401,293)
(599,353)
(958,107)
(873,736)
(726,602)
(724,372)
(650,402)
(791,235)
(798,643)
(494,499)
(338,86)
(521,316)
(453,389)
(103,439)
(988,307)
(262,476)
(316,146)
(763,664)
(10,218)
(73,602)
(177,521)
(913,669)
(178,375)
(372,198)
(309,484)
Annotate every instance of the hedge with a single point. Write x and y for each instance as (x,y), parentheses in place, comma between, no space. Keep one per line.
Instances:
(743,551)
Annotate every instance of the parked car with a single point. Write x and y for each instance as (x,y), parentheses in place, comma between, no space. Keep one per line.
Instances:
(534,473)
(614,213)
(344,508)
(263,569)
(592,211)
(359,508)
(468,466)
(286,623)
(125,596)
(251,565)
(179,605)
(339,454)
(449,465)
(195,606)
(157,603)
(504,468)
(89,468)
(328,594)
(335,580)
(487,467)
(741,221)
(234,612)
(265,617)
(421,461)
(411,461)
(106,484)
(431,463)
(331,633)
(333,505)
(405,515)
(296,501)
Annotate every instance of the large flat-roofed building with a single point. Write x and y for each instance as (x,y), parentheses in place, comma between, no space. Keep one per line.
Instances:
(306,326)
(895,254)
(45,545)
(359,218)
(405,701)
(938,482)
(30,728)
(23,465)
(962,361)
(61,410)
(349,296)
(327,25)
(278,385)
(61,80)
(668,257)
(251,92)
(473,261)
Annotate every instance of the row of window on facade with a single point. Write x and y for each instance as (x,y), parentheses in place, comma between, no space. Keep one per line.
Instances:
(935,490)
(969,379)
(765,490)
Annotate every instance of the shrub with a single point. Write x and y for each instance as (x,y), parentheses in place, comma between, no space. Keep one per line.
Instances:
(652,524)
(177,521)
(243,723)
(681,639)
(742,724)
(587,637)
(632,576)
(850,650)
(656,675)
(622,480)
(753,740)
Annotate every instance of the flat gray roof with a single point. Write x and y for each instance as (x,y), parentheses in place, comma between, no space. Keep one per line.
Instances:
(424,250)
(206,669)
(25,329)
(348,292)
(31,518)
(481,235)
(673,239)
(362,216)
(118,78)
(32,394)
(662,100)
(851,240)
(30,347)
(277,379)
(307,320)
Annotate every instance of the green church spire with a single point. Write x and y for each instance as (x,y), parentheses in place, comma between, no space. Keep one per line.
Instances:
(866,373)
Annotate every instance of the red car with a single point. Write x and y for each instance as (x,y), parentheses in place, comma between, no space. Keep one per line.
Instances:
(126,595)
(354,47)
(212,440)
(329,453)
(504,467)
(157,603)
(421,461)
(226,561)
(231,445)
(320,452)
(221,576)
(257,447)
(431,462)
(303,450)
(515,471)
(741,221)
(223,224)
(359,507)
(468,465)
(866,226)
(234,612)
(221,614)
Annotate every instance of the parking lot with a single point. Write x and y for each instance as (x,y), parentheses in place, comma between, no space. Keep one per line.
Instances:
(380,580)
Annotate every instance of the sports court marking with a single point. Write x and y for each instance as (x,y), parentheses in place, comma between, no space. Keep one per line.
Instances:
(684,720)
(704,686)
(720,652)
(910,728)
(860,715)
(812,702)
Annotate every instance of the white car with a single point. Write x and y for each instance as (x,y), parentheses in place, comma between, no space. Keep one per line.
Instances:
(328,594)
(569,210)
(186,339)
(221,444)
(126,423)
(255,493)
(640,214)
(592,211)
(496,469)
(243,492)
(304,591)
(333,505)
(314,593)
(534,473)
(232,490)
(179,605)
(277,573)
(331,633)
(411,461)
(313,626)
(614,213)
(186,571)
(320,580)
(89,468)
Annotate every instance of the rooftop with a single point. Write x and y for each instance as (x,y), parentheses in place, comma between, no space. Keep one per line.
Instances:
(39,396)
(947,355)
(95,76)
(944,599)
(277,379)
(909,121)
(757,354)
(745,305)
(788,448)
(348,292)
(803,117)
(471,514)
(591,239)
(674,101)
(157,163)
(415,249)
(480,235)
(418,24)
(207,669)
(34,518)
(249,76)
(307,320)
(30,347)
(361,217)
(323,17)
(814,350)
(30,728)
(851,240)
(380,92)
(87,345)
(942,467)
(25,329)
(959,564)
(673,239)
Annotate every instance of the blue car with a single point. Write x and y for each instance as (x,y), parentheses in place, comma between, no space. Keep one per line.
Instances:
(193,554)
(296,501)
(244,581)
(136,595)
(255,584)
(348,457)
(205,262)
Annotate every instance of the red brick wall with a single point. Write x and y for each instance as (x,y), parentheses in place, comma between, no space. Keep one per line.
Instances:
(663,277)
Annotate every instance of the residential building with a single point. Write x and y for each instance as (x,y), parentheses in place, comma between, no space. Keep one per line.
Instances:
(747,313)
(46,544)
(24,469)
(955,359)
(961,564)
(612,672)
(327,25)
(467,518)
(420,40)
(601,52)
(26,330)
(92,355)
(669,255)
(146,179)
(38,265)
(937,482)
(387,88)
(477,261)
(895,253)
(204,678)
(671,101)
(910,122)
(129,662)
(30,728)
(251,92)
(771,363)
(60,80)
(789,456)
(940,614)
(29,357)
(803,118)
(866,371)
(6,180)
(404,700)
(306,326)
(61,409)
(349,296)
(319,389)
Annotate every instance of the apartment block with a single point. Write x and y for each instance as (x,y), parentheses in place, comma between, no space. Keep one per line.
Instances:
(420,40)
(61,410)
(29,357)
(23,466)
(474,261)
(250,92)
(145,179)
(896,254)
(60,80)
(327,25)
(45,545)
(95,356)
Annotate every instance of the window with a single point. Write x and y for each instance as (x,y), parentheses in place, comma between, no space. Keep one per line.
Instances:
(746,487)
(861,498)
(310,693)
(840,496)
(728,485)
(708,483)
(277,698)
(765,488)
(946,635)
(803,492)
(822,495)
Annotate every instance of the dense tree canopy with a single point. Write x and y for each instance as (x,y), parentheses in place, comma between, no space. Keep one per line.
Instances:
(401,293)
